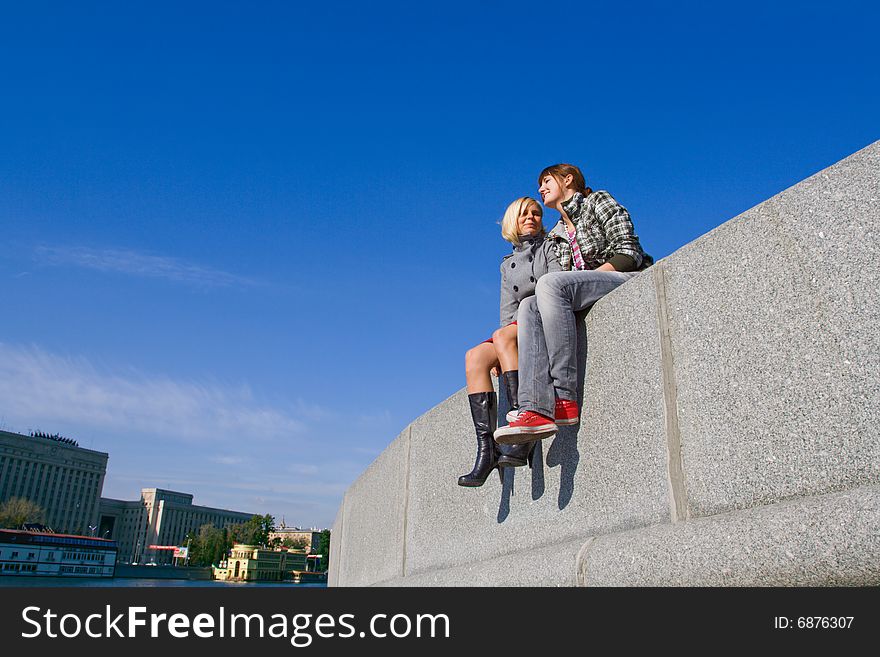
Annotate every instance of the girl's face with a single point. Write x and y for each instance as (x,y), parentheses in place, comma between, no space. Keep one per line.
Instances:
(528,223)
(552,193)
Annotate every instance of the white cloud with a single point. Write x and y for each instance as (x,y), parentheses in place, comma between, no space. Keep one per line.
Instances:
(307,469)
(39,387)
(377,420)
(266,484)
(312,411)
(217,441)
(227,460)
(137,264)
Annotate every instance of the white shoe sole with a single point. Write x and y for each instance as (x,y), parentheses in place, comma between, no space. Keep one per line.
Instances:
(518,435)
(512,415)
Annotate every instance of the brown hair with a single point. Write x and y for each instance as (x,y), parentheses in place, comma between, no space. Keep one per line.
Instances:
(560,171)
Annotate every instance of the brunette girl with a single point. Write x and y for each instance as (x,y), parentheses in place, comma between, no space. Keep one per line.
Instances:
(596,241)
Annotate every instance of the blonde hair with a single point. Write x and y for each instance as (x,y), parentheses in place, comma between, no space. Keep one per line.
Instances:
(514,210)
(560,171)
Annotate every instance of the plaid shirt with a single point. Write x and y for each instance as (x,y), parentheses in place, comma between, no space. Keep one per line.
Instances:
(603,230)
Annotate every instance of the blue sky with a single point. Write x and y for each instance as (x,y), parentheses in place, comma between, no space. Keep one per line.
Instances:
(244,245)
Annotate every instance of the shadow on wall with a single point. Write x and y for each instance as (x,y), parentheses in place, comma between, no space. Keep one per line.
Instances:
(563,453)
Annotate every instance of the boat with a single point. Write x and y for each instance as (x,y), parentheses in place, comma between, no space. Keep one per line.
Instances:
(27,553)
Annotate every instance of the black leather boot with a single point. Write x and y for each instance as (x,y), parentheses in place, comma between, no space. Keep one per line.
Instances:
(514,456)
(484,411)
(510,381)
(517,455)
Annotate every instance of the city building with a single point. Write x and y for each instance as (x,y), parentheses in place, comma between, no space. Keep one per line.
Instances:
(307,538)
(303,567)
(41,554)
(250,563)
(297,560)
(160,518)
(64,479)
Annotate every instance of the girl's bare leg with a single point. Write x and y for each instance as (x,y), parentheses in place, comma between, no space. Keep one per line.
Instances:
(505,347)
(483,403)
(477,364)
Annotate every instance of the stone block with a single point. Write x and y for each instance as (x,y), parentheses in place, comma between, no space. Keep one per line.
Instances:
(608,474)
(825,540)
(773,322)
(372,525)
(547,565)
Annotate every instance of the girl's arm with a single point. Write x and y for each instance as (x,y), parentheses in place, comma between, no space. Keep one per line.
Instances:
(551,256)
(508,303)
(618,228)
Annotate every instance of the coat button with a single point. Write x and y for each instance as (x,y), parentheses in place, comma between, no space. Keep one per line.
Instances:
(532,279)
(516,288)
(530,258)
(512,265)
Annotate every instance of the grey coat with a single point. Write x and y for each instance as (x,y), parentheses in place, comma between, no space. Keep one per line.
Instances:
(521,270)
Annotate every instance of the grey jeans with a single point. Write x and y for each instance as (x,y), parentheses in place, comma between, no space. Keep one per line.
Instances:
(547,334)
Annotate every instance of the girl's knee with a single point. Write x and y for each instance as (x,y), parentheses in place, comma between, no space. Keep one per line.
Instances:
(505,335)
(528,304)
(546,284)
(478,357)
(470,358)
(552,285)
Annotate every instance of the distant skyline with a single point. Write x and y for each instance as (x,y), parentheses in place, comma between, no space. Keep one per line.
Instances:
(245,246)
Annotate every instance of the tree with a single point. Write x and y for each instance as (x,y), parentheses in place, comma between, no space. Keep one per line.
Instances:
(324,549)
(209,546)
(295,542)
(267,526)
(217,543)
(16,511)
(255,531)
(195,548)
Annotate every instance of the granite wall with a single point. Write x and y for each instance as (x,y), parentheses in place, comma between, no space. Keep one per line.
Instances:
(742,448)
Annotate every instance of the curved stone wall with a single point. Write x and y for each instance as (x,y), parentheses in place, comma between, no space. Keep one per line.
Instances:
(742,449)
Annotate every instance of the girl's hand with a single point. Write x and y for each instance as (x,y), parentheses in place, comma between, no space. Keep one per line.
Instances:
(494,372)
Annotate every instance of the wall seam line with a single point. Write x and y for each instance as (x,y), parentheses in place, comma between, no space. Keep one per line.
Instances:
(674,468)
(580,563)
(341,549)
(406,498)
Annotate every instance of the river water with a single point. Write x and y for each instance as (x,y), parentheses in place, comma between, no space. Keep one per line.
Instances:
(139,582)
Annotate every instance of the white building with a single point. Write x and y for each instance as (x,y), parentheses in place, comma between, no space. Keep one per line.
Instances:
(160,517)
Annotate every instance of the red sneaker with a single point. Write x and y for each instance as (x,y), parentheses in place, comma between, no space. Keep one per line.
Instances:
(528,426)
(567,412)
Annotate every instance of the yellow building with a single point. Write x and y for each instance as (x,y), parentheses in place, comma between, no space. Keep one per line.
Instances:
(251,563)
